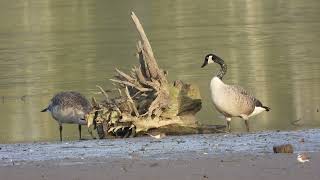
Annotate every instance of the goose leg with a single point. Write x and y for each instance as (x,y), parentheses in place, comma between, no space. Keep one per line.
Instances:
(228,123)
(229,126)
(79,127)
(245,118)
(247,125)
(60,129)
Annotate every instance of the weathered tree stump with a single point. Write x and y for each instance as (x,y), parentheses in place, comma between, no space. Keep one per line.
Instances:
(145,101)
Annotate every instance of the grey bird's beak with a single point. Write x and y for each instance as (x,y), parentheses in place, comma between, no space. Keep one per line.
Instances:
(44,110)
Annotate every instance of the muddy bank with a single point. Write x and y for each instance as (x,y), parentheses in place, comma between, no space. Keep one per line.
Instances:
(170,147)
(229,167)
(215,156)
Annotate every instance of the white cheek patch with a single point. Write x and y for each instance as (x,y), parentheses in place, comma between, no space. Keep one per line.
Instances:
(210,60)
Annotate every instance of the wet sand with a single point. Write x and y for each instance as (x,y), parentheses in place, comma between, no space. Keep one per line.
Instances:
(284,167)
(219,156)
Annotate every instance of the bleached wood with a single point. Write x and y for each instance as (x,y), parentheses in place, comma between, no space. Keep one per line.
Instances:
(130,84)
(149,102)
(132,103)
(124,75)
(104,93)
(147,52)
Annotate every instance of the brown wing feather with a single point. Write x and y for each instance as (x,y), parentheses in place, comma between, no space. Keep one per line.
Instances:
(244,100)
(71,99)
(250,98)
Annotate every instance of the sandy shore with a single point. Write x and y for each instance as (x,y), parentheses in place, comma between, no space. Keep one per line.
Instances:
(220,156)
(284,167)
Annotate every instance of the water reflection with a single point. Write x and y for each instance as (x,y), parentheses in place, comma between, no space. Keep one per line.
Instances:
(48,46)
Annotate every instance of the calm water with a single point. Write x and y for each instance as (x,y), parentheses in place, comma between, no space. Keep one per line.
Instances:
(271,48)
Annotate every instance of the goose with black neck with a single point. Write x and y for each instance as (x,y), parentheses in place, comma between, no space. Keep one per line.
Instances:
(230,100)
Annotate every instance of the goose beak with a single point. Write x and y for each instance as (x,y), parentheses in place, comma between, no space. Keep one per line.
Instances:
(204,64)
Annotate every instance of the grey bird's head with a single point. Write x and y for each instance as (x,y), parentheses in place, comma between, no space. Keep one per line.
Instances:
(212,58)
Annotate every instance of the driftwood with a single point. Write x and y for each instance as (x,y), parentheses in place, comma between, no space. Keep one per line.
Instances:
(145,101)
(284,148)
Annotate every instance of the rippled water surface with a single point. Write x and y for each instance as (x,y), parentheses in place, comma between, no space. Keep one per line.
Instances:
(271,48)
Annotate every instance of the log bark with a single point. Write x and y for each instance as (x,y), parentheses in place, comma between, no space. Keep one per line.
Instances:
(147,101)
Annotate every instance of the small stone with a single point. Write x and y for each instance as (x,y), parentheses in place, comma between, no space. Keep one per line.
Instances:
(154,165)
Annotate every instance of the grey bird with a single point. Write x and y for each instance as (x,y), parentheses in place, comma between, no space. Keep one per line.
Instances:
(69,107)
(231,100)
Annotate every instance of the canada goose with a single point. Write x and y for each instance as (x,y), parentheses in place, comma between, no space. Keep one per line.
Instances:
(69,107)
(230,100)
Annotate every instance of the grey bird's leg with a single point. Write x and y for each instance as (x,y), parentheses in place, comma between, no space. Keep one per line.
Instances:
(60,129)
(79,127)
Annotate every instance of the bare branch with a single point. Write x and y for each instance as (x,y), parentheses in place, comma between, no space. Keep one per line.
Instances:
(132,103)
(143,81)
(127,77)
(142,34)
(143,65)
(104,93)
(130,84)
(147,52)
(119,92)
